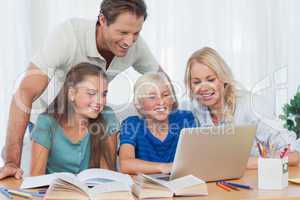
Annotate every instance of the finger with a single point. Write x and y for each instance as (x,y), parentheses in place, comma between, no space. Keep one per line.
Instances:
(19,173)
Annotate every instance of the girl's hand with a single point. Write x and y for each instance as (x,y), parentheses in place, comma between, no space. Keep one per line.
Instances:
(165,168)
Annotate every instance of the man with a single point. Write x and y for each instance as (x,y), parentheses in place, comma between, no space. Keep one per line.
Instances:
(112,43)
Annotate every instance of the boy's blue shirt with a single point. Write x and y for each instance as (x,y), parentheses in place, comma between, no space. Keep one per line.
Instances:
(134,131)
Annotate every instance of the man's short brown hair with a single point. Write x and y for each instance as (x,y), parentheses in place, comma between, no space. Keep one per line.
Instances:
(111,9)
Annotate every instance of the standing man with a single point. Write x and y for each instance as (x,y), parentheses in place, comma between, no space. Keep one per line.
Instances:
(112,42)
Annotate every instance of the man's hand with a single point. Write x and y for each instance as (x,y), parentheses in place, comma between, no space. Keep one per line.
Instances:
(11,169)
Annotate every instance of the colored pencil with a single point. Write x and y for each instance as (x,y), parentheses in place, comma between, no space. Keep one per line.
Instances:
(230,186)
(238,185)
(224,187)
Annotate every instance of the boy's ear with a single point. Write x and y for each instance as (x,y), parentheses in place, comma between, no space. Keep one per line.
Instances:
(137,106)
(175,104)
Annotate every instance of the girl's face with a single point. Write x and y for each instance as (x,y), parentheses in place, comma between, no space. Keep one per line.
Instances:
(206,87)
(157,103)
(89,96)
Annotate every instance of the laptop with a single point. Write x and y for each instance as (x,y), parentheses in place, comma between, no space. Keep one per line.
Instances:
(214,153)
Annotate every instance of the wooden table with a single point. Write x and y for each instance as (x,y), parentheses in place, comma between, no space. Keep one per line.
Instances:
(292,192)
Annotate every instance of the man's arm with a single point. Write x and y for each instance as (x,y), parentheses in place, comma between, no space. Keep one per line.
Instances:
(31,87)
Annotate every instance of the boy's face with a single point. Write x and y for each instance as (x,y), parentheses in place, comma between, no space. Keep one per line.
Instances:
(119,36)
(157,102)
(206,87)
(89,97)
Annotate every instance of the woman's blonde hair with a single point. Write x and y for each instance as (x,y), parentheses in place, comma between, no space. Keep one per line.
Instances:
(210,58)
(148,80)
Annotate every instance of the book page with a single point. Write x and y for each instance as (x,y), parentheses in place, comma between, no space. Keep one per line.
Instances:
(109,187)
(154,180)
(59,185)
(161,176)
(73,180)
(111,190)
(183,182)
(39,181)
(54,193)
(294,180)
(103,175)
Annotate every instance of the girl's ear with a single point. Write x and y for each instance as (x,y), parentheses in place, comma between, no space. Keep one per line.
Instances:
(71,94)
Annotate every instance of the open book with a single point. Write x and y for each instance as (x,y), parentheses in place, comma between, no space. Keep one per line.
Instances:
(149,187)
(90,184)
(294,180)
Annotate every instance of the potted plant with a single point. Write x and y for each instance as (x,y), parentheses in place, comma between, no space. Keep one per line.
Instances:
(291,114)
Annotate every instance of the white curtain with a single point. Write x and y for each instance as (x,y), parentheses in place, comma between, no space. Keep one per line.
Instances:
(293,44)
(259,39)
(253,36)
(14,53)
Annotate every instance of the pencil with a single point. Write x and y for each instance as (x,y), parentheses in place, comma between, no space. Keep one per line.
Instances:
(3,196)
(224,187)
(19,193)
(259,149)
(239,185)
(230,186)
(5,192)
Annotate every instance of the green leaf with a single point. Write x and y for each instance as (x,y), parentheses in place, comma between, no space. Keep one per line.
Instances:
(291,115)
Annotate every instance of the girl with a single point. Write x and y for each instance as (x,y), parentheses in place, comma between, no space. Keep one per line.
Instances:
(148,142)
(71,135)
(214,100)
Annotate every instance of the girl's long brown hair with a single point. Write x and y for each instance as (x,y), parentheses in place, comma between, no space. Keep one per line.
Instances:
(61,109)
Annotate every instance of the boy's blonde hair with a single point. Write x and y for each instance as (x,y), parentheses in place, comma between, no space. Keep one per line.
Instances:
(210,58)
(151,80)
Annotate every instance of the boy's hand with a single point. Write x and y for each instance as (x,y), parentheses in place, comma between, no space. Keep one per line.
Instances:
(165,168)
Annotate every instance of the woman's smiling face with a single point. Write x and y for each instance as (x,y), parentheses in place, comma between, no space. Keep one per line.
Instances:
(206,86)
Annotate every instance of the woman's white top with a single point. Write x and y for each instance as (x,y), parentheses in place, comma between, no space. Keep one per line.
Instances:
(250,109)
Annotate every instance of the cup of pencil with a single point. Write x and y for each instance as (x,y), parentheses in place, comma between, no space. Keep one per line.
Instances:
(272,168)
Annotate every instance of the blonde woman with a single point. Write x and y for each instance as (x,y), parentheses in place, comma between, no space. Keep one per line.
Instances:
(214,100)
(148,142)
